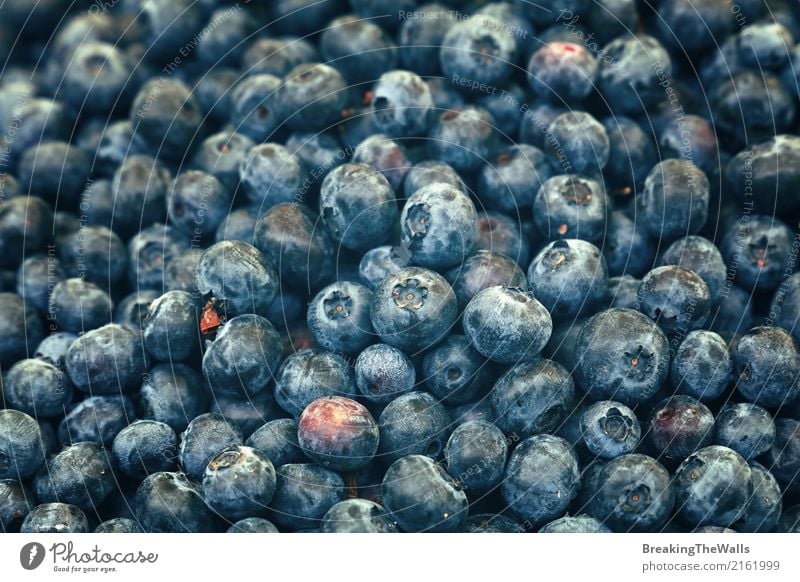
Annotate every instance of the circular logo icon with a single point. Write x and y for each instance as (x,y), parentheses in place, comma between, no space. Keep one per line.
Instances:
(31,555)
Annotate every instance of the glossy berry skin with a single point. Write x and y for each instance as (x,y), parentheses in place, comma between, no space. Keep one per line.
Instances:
(676,299)
(767,363)
(578,143)
(746,428)
(253,525)
(421,497)
(541,479)
(571,206)
(206,435)
(15,503)
(78,305)
(464,137)
(277,439)
(575,524)
(783,459)
(413,309)
(382,373)
(303,495)
(477,50)
(438,226)
(80,474)
(97,419)
(21,448)
(239,275)
(507,325)
(413,424)
(679,426)
(170,328)
(481,270)
(532,398)
(760,247)
(172,503)
(568,276)
(702,366)
(455,372)
(145,447)
(675,199)
(358,206)
(712,487)
(476,455)
(37,387)
(239,482)
(610,429)
(173,394)
(311,374)
(311,97)
(20,328)
(55,518)
(357,516)
(401,104)
(633,493)
(107,360)
(338,433)
(292,239)
(510,180)
(621,355)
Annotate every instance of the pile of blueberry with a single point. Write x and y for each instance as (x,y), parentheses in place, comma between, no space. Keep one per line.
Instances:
(394,266)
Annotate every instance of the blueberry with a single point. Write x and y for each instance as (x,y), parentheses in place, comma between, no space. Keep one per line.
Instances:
(172,503)
(413,309)
(21,450)
(695,26)
(338,433)
(81,475)
(419,39)
(431,172)
(139,187)
(385,155)
(712,487)
(357,516)
(679,426)
(575,524)
(401,104)
(678,300)
(96,254)
(37,387)
(173,394)
(118,525)
(115,144)
(784,311)
(691,138)
(767,364)
(502,235)
(204,437)
(240,224)
(15,503)
(383,373)
(483,270)
(358,206)
(180,273)
(358,48)
(253,525)
(381,262)
(701,366)
(55,171)
(219,42)
(570,206)
(509,182)
(107,360)
(311,374)
(621,355)
(633,493)
(413,424)
(733,312)
(169,330)
(169,25)
(455,372)
(277,56)
(97,419)
(627,248)
(198,203)
(783,459)
(765,504)
(492,523)
(270,174)
(478,50)
(758,250)
(568,276)
(26,224)
(145,447)
(311,97)
(698,254)
(563,71)
(277,439)
(541,479)
(421,497)
(55,518)
(239,482)
(610,429)
(632,153)
(77,306)
(464,137)
(303,495)
(238,275)
(149,252)
(244,356)
(476,456)
(505,109)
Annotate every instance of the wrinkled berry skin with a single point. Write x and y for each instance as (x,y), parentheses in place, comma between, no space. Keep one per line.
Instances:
(765,504)
(413,309)
(311,374)
(679,426)
(55,518)
(610,429)
(339,317)
(21,447)
(206,435)
(532,398)
(80,474)
(767,364)
(507,325)
(481,270)
(476,455)
(438,226)
(676,299)
(746,428)
(455,372)
(413,424)
(357,516)
(421,497)
(244,356)
(541,479)
(632,493)
(575,524)
(338,433)
(383,373)
(172,503)
(239,482)
(303,495)
(621,355)
(702,366)
(712,487)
